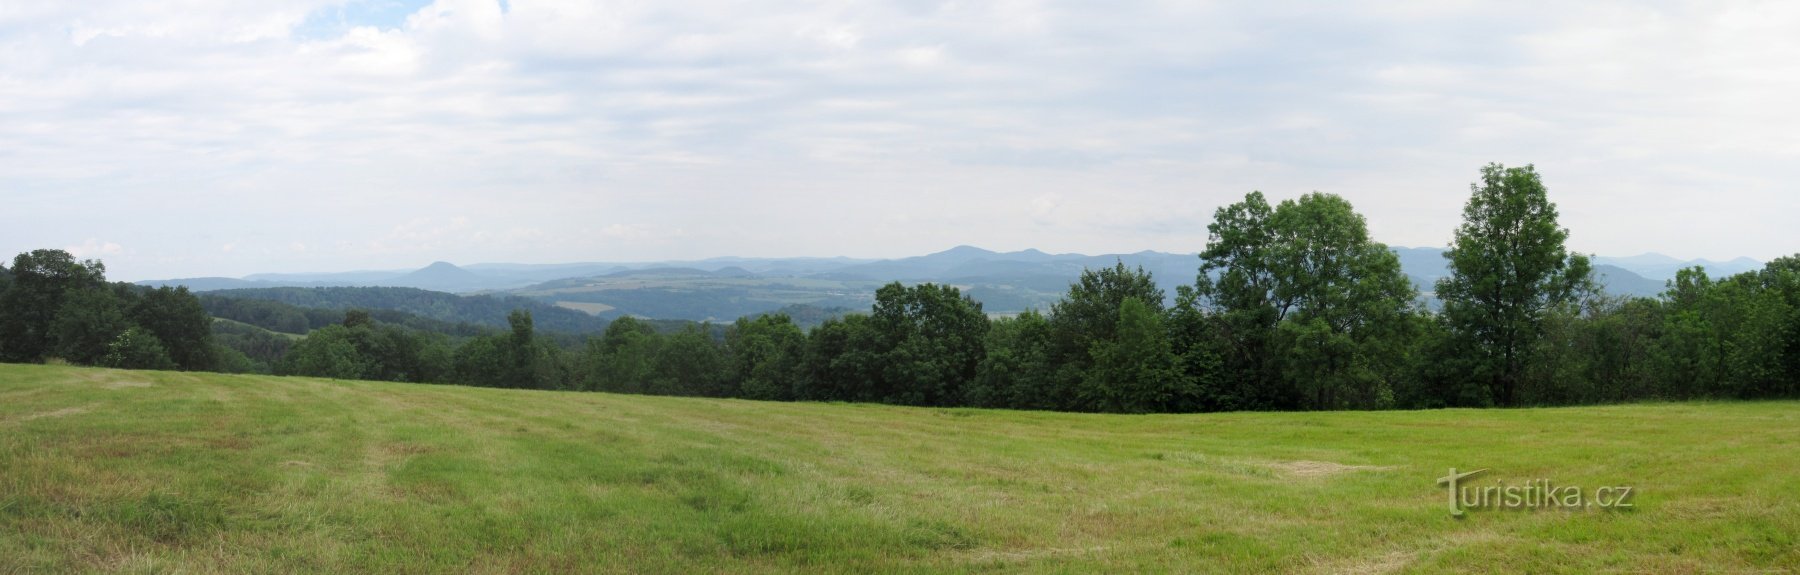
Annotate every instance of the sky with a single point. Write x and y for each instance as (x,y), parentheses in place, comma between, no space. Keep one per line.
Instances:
(189,138)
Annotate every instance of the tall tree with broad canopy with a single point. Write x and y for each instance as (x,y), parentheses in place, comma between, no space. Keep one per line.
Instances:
(1136,371)
(1089,315)
(174,316)
(1508,268)
(89,321)
(623,360)
(1316,313)
(933,337)
(41,279)
(765,355)
(844,361)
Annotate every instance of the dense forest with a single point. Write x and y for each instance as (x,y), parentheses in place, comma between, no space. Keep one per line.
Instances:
(1293,307)
(488,310)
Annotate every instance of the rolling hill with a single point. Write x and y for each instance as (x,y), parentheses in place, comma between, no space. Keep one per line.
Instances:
(486,310)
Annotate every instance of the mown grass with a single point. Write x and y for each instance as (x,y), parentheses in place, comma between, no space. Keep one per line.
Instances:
(118,471)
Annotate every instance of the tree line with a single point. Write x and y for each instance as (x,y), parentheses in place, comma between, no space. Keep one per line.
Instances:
(54,306)
(1293,307)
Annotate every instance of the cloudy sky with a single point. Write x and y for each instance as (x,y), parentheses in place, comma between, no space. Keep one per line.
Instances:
(223,137)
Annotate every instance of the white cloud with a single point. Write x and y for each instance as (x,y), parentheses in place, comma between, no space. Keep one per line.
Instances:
(93,248)
(870,128)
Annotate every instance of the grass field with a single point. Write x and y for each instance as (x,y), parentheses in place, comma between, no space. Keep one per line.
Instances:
(117,471)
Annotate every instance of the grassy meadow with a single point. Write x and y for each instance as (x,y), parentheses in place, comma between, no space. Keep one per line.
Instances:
(161,472)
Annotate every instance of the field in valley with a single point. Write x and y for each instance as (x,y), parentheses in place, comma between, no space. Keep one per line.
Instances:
(120,471)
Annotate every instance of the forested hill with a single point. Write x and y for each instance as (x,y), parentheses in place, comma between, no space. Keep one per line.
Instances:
(486,310)
(291,319)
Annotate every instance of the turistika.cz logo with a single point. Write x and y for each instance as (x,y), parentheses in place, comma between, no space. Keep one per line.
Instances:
(1531,494)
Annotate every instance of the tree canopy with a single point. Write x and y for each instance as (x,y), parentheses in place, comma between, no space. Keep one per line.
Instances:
(1508,269)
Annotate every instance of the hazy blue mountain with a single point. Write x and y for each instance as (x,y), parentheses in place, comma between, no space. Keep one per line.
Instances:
(723,289)
(913,268)
(219,283)
(1620,281)
(1661,268)
(1424,265)
(1004,282)
(208,284)
(517,275)
(335,278)
(442,276)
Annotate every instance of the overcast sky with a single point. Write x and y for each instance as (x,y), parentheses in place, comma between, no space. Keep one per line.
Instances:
(224,137)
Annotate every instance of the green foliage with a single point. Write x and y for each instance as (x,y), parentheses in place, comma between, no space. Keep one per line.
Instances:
(269,315)
(175,317)
(1313,313)
(691,362)
(481,361)
(519,358)
(485,310)
(1729,338)
(1017,371)
(55,305)
(1194,338)
(41,279)
(1509,269)
(360,348)
(90,319)
(286,318)
(1090,311)
(1135,371)
(229,360)
(765,355)
(931,338)
(263,348)
(1602,352)
(1088,316)
(137,349)
(843,361)
(330,351)
(624,360)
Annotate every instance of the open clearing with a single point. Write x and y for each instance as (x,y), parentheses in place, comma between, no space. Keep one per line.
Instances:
(103,470)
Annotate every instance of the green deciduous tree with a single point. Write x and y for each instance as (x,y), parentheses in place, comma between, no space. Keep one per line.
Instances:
(89,321)
(135,348)
(176,318)
(1135,371)
(1725,338)
(1508,269)
(1088,316)
(624,359)
(932,335)
(1195,341)
(1314,313)
(1598,352)
(41,279)
(691,362)
(1016,371)
(1781,278)
(766,354)
(329,351)
(843,362)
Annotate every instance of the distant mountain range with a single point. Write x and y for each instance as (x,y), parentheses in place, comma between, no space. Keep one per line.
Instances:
(723,289)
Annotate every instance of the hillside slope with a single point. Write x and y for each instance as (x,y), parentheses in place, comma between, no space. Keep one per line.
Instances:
(104,470)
